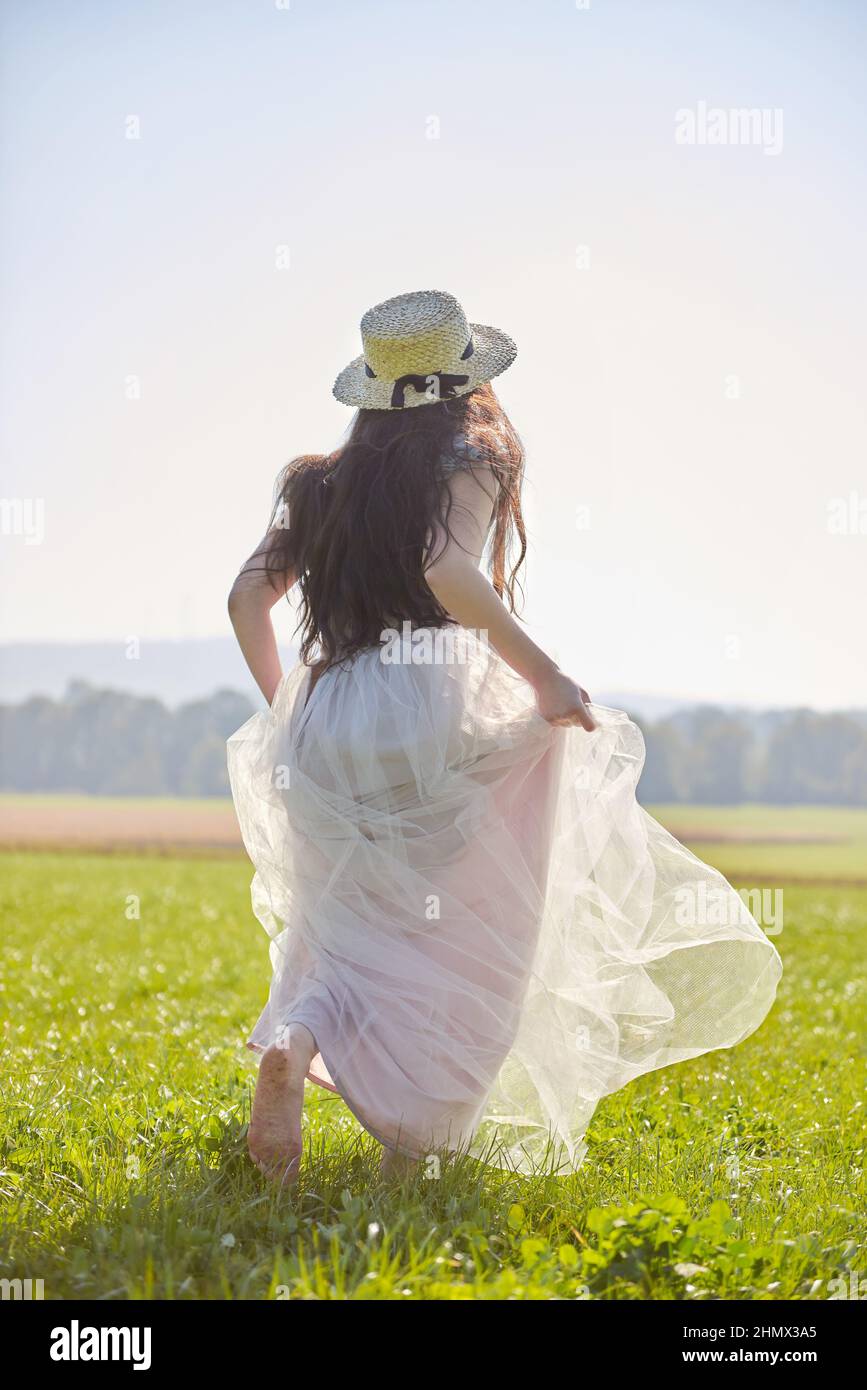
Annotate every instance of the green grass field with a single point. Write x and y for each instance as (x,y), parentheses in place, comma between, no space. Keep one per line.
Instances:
(126,1090)
(776,844)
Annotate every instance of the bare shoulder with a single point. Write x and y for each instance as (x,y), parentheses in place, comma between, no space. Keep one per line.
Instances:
(467,469)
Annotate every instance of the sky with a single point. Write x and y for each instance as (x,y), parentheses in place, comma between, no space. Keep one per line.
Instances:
(199,201)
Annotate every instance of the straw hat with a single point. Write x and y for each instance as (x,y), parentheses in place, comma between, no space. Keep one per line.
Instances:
(419,349)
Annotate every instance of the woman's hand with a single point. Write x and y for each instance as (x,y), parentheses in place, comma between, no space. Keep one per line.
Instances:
(562,701)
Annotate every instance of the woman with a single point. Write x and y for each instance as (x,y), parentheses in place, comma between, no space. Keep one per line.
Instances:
(477,932)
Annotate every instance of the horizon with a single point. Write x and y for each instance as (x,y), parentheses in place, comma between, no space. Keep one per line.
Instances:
(55,685)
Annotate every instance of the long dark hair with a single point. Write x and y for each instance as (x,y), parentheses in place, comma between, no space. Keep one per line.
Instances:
(354,525)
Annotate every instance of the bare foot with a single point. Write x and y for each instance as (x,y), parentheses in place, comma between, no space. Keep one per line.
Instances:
(274,1137)
(396,1166)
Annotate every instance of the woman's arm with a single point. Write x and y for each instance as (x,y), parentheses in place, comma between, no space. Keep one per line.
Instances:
(455,580)
(251,599)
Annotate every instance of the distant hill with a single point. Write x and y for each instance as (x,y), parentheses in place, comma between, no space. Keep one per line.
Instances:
(173,672)
(193,669)
(641,704)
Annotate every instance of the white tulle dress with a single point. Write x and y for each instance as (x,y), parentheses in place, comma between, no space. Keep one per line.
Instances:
(469,910)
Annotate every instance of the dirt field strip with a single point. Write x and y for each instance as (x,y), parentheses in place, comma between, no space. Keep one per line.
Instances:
(106,826)
(769,848)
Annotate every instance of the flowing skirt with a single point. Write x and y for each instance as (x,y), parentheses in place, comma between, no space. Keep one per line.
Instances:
(481,928)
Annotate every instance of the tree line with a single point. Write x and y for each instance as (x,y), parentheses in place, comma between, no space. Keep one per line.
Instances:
(109,743)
